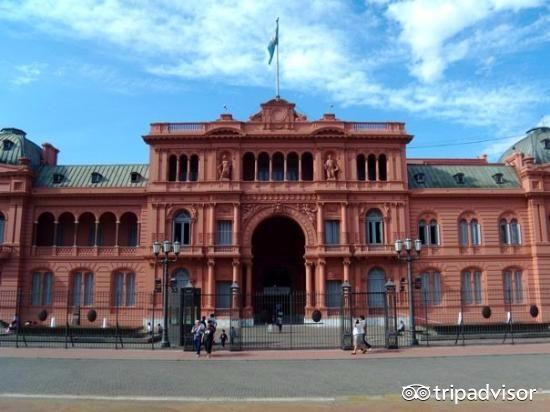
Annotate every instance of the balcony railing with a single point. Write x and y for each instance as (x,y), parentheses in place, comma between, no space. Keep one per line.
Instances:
(87,250)
(374,249)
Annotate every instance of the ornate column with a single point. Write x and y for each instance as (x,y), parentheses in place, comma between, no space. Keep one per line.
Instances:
(376,165)
(178,174)
(248,302)
(211,285)
(211,223)
(187,176)
(299,167)
(55,229)
(138,234)
(347,264)
(236,266)
(344,225)
(117,226)
(96,232)
(309,284)
(320,225)
(320,286)
(236,226)
(270,167)
(255,168)
(75,233)
(34,232)
(284,168)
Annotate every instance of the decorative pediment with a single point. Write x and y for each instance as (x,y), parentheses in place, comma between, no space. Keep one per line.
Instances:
(223,130)
(278,114)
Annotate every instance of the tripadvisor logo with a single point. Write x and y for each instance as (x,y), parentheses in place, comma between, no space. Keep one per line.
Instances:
(423,393)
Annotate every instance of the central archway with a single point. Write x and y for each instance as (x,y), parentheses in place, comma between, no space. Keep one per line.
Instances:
(278,247)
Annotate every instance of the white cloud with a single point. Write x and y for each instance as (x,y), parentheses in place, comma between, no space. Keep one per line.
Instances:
(431,27)
(226,41)
(26,74)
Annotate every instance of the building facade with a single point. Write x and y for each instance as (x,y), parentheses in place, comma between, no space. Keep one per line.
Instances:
(277,201)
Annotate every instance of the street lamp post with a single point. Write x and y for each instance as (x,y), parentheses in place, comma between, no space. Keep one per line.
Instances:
(409,257)
(167,247)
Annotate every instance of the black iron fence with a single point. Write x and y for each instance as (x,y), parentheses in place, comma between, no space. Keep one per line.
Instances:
(274,321)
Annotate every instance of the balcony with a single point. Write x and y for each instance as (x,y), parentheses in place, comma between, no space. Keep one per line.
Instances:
(374,250)
(335,250)
(5,251)
(223,250)
(88,251)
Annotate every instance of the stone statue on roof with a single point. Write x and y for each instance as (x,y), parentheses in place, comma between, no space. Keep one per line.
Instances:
(225,168)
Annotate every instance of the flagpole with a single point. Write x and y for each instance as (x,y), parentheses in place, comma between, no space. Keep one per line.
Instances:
(278,95)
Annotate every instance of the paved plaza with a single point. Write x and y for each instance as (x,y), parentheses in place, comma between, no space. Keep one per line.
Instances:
(54,379)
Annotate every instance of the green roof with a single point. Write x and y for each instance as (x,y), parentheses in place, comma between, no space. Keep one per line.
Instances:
(22,147)
(534,144)
(475,176)
(81,176)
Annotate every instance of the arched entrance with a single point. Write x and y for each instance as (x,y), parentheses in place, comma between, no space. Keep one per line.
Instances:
(278,247)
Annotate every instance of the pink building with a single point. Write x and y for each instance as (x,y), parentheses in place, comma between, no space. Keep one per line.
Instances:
(274,201)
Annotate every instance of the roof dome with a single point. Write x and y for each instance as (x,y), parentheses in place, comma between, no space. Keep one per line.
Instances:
(536,143)
(14,145)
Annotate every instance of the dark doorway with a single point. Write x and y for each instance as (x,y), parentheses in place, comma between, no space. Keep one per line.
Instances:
(278,247)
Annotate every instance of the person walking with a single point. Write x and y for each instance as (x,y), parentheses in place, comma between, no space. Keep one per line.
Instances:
(363,321)
(197,331)
(358,332)
(223,338)
(208,338)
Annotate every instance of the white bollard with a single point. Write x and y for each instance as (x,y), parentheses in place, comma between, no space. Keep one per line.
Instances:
(52,322)
(104,324)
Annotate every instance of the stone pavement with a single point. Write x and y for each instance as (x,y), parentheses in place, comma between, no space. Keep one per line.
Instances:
(334,354)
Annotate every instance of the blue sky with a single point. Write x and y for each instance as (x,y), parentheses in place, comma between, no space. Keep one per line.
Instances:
(89,76)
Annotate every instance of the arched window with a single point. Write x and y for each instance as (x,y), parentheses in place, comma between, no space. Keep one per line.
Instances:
(194,168)
(124,288)
(183,168)
(371,167)
(292,167)
(278,167)
(65,230)
(106,233)
(463,232)
(42,288)
(360,160)
(182,228)
(307,166)
(471,286)
(172,168)
(2,224)
(382,168)
(128,230)
(376,281)
(182,278)
(86,230)
(82,289)
(475,232)
(248,166)
(510,232)
(431,288)
(423,232)
(375,227)
(434,232)
(45,230)
(512,285)
(263,167)
(515,235)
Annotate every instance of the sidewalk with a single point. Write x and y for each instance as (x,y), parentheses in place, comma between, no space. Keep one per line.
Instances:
(297,355)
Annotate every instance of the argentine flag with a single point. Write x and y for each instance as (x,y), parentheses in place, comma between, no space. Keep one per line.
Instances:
(274,42)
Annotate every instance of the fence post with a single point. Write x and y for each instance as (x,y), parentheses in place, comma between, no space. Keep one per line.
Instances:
(346,317)
(235,342)
(391,316)
(18,305)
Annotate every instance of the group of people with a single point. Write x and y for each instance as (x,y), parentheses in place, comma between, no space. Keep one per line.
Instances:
(360,336)
(203,334)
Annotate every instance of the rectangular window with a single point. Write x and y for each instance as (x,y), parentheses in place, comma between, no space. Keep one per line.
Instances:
(89,289)
(518,284)
(467,287)
(334,294)
(42,285)
(77,287)
(223,295)
(118,283)
(225,232)
(132,235)
(332,232)
(431,288)
(130,289)
(477,287)
(512,283)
